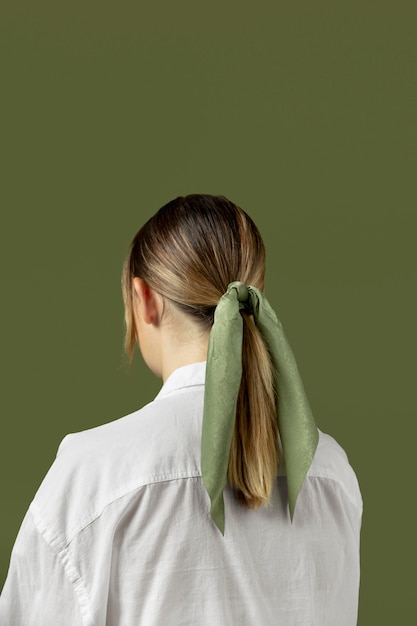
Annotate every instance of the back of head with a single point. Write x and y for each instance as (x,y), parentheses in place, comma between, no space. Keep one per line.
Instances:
(189,252)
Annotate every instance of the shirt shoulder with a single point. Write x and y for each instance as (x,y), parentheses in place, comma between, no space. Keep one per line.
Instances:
(331,463)
(96,467)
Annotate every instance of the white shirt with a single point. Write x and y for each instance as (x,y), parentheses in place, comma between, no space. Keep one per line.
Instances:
(120,533)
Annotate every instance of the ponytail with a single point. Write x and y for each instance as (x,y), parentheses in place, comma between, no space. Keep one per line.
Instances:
(253,461)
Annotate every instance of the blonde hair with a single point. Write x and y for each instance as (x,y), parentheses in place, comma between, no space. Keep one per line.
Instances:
(189,252)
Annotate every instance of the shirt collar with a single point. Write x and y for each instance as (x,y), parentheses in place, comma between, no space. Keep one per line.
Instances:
(186,376)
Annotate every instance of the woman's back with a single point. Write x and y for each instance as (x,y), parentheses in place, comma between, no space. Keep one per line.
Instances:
(121,533)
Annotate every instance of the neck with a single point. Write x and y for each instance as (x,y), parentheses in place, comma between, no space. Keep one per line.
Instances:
(175,356)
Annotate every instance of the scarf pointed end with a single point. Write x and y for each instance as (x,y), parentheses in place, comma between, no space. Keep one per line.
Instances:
(217,515)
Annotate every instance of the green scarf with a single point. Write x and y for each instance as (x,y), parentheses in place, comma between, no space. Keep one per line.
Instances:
(297,429)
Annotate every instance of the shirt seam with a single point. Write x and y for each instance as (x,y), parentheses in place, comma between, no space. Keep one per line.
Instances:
(356,503)
(158,479)
(70,571)
(63,542)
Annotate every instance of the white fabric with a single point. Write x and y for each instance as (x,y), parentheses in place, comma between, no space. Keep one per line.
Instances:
(119,533)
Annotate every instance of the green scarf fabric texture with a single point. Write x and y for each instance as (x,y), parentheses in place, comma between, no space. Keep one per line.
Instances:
(296,425)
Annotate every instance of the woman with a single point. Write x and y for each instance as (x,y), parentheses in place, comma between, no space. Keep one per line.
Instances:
(217,503)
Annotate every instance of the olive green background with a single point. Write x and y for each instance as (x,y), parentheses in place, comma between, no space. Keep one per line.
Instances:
(304,114)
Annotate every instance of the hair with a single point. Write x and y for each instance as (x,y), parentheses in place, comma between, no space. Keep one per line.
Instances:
(189,252)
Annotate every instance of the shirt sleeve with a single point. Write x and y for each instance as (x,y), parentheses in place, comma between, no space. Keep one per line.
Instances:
(37,589)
